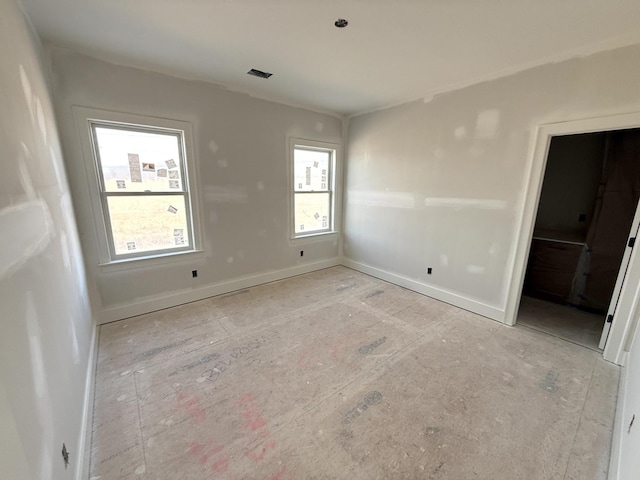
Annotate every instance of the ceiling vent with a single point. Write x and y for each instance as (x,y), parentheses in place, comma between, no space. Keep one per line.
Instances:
(259,73)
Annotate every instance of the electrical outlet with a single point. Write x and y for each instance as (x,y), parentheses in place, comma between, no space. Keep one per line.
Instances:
(429,270)
(194,273)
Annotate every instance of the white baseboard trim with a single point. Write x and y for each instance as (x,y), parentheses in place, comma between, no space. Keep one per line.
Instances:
(83,455)
(151,304)
(618,429)
(474,306)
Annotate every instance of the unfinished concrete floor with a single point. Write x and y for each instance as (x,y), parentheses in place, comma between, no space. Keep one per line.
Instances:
(338,375)
(562,321)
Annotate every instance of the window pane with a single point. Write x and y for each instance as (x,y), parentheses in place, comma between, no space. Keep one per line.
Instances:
(312,212)
(137,161)
(146,223)
(311,170)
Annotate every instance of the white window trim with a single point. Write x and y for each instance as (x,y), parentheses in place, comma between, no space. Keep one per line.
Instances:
(334,189)
(83,118)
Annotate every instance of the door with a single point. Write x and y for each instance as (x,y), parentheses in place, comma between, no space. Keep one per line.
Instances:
(622,273)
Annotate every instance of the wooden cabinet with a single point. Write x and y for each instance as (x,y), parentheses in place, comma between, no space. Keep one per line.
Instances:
(551,268)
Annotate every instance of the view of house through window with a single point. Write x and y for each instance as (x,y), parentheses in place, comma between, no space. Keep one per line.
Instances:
(143,189)
(313,189)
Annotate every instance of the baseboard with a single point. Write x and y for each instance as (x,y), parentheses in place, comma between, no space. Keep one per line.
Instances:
(83,455)
(618,430)
(151,304)
(465,303)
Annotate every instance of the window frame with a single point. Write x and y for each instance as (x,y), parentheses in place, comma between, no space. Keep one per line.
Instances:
(86,121)
(332,175)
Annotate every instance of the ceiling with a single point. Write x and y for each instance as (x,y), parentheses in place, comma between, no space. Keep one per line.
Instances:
(391,52)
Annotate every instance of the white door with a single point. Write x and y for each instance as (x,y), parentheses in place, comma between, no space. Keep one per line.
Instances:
(624,266)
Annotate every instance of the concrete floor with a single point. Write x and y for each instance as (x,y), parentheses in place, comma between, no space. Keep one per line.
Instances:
(562,321)
(338,375)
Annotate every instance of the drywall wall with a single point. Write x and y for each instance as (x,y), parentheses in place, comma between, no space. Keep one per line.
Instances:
(571,179)
(241,162)
(441,183)
(45,317)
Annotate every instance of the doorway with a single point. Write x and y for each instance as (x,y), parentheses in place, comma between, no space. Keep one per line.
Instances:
(589,196)
(572,254)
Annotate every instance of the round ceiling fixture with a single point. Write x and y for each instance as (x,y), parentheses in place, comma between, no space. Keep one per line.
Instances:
(341,23)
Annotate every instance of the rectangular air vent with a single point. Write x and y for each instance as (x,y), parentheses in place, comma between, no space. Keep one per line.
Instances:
(259,73)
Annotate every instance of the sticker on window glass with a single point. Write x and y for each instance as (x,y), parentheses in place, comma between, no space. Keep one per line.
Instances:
(178,236)
(121,184)
(162,172)
(134,168)
(172,209)
(148,167)
(323,178)
(131,246)
(174,174)
(324,224)
(302,226)
(323,185)
(324,218)
(174,184)
(171,163)
(300,186)
(308,175)
(324,171)
(315,164)
(316,216)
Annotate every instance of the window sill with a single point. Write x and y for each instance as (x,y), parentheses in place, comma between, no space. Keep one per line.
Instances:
(143,262)
(314,237)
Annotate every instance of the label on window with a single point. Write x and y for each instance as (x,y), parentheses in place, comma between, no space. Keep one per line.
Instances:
(178,236)
(134,168)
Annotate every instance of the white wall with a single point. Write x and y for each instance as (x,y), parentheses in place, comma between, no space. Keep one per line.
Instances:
(242,170)
(45,318)
(441,182)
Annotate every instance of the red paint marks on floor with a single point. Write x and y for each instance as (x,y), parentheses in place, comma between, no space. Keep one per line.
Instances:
(191,405)
(221,465)
(256,423)
(252,418)
(211,454)
(282,475)
(258,453)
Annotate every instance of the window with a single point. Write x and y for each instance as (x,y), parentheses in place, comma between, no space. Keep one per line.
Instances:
(313,188)
(141,189)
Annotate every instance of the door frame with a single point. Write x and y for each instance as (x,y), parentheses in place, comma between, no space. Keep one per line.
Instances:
(630,292)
